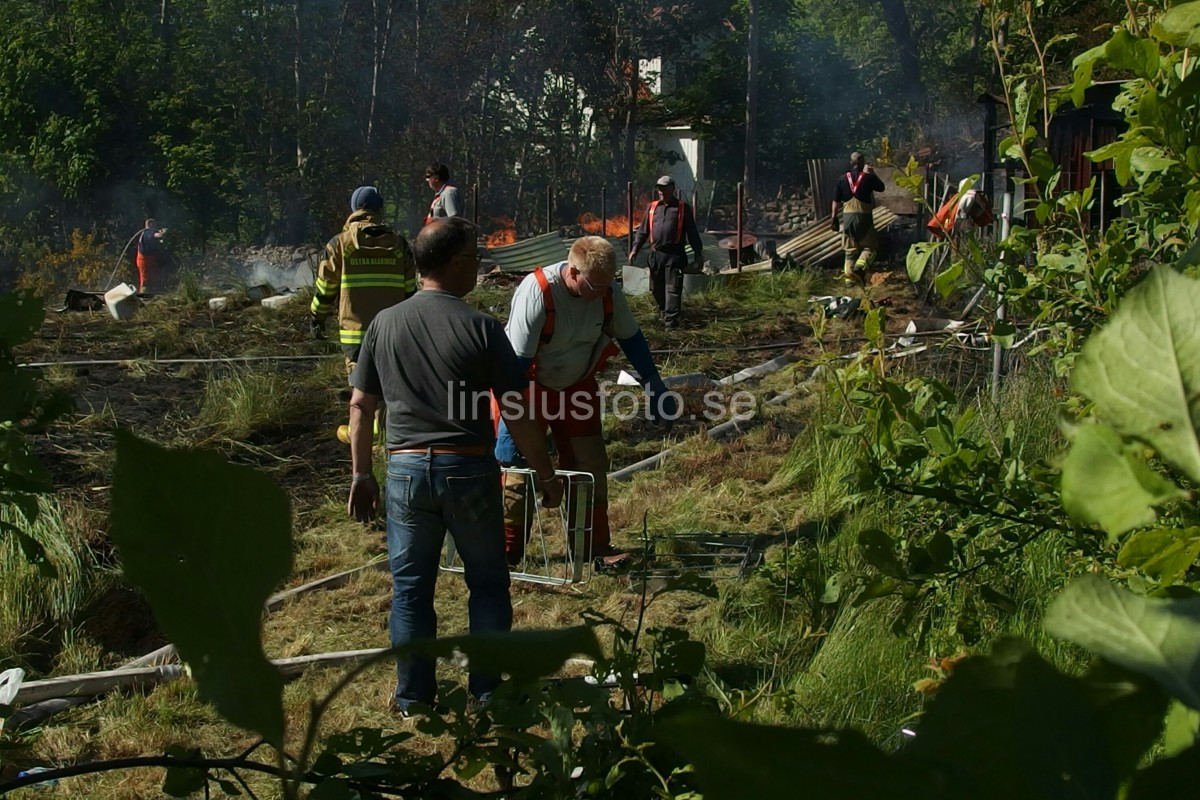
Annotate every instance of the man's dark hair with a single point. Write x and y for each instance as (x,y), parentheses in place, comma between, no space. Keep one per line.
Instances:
(441,240)
(441,170)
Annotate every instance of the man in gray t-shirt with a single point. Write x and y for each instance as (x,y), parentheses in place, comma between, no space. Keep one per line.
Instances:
(434,360)
(447,199)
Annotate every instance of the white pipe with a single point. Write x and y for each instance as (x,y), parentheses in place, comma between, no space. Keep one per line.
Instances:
(997,350)
(113,362)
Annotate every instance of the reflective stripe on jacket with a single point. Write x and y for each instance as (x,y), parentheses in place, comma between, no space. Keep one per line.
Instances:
(365,269)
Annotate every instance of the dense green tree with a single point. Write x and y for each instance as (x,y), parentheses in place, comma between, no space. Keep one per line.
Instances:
(251,121)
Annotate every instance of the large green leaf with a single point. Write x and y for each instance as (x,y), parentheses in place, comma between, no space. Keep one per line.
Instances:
(918,258)
(1180,25)
(1084,64)
(1009,725)
(737,760)
(1165,554)
(183,781)
(21,315)
(1131,708)
(879,550)
(1168,777)
(207,542)
(1106,483)
(1143,368)
(523,655)
(1125,51)
(1183,723)
(949,280)
(1156,637)
(1150,159)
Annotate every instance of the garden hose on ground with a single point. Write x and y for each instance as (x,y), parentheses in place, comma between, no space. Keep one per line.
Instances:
(121,258)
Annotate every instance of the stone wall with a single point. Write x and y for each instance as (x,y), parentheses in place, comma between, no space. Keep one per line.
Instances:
(786,213)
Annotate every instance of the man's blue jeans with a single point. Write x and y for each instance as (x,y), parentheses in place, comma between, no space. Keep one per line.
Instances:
(428,495)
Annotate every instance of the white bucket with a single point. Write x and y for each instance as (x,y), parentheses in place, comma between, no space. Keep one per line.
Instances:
(122,300)
(635,280)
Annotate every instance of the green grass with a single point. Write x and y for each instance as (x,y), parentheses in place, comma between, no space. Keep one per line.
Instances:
(244,401)
(861,676)
(34,604)
(773,645)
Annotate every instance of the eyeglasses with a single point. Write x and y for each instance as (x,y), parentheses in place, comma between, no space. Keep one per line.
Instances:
(477,255)
(591,287)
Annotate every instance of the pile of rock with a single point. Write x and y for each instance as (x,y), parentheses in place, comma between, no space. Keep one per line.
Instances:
(787,213)
(280,267)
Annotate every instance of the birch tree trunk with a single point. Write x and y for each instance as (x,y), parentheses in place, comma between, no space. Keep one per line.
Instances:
(749,171)
(298,88)
(381,36)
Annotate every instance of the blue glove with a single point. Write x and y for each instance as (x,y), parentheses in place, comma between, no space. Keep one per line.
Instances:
(637,351)
(664,404)
(506,449)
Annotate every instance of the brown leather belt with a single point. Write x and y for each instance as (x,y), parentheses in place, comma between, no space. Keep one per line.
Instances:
(445,450)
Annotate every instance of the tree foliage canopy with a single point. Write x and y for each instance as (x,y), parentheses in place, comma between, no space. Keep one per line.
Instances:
(253,121)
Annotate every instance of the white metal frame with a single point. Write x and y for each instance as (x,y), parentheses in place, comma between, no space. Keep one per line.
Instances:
(558,544)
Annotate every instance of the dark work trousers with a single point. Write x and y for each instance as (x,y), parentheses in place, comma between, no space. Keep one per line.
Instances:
(666,283)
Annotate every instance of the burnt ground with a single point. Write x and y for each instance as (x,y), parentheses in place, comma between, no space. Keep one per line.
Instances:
(158,390)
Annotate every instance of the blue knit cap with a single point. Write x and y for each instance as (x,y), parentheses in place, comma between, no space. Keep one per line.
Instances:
(366,197)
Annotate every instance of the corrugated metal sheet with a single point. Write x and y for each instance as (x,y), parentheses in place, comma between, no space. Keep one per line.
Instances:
(816,243)
(529,254)
(823,174)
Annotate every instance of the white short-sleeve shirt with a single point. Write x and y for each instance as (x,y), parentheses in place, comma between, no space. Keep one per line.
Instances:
(574,350)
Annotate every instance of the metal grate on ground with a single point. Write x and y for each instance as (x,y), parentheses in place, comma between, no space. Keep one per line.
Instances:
(713,555)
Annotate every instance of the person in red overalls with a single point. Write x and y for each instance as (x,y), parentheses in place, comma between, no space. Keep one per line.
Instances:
(566,320)
(149,250)
(447,199)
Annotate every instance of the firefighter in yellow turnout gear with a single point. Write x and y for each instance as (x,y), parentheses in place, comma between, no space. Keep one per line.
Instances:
(854,196)
(365,269)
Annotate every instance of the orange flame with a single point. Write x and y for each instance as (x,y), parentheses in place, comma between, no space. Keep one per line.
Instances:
(505,234)
(616,226)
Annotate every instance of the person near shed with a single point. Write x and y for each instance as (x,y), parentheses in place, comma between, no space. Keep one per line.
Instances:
(147,255)
(854,197)
(667,222)
(447,199)
(434,361)
(566,321)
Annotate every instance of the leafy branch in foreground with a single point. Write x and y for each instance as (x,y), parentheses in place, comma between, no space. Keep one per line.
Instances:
(1142,374)
(24,409)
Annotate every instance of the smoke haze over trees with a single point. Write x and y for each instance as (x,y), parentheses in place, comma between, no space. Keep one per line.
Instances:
(239,121)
